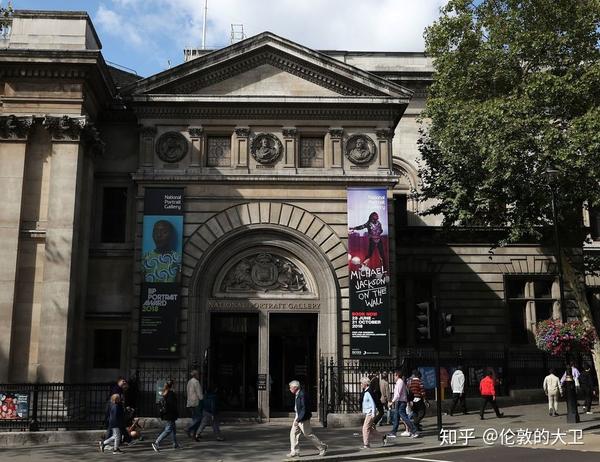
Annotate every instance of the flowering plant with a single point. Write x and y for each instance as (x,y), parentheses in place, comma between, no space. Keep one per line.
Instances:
(556,337)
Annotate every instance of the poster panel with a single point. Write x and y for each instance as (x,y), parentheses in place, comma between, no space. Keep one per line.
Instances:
(162,247)
(14,406)
(368,265)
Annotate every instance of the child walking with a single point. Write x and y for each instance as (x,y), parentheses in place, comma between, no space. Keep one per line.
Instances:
(116,419)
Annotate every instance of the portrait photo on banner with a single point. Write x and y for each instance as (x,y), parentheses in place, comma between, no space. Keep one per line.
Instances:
(162,248)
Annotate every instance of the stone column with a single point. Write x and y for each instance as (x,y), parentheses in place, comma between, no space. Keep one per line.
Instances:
(263,363)
(384,145)
(290,147)
(334,149)
(62,234)
(13,143)
(240,147)
(147,135)
(196,156)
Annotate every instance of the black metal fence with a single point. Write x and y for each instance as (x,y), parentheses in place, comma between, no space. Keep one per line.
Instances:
(145,385)
(52,406)
(339,386)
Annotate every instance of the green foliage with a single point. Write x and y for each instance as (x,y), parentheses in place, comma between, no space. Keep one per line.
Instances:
(516,88)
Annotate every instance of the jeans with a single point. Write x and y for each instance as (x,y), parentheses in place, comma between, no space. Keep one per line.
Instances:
(115,438)
(196,418)
(209,419)
(458,398)
(399,413)
(170,428)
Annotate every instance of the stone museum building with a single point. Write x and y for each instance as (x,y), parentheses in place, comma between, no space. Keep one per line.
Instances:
(258,143)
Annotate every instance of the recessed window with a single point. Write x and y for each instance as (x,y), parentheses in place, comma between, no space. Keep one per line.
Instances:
(107,349)
(595,223)
(400,210)
(114,214)
(218,151)
(529,301)
(312,152)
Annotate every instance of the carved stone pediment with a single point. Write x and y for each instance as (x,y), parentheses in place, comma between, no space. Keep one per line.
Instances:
(264,272)
(240,68)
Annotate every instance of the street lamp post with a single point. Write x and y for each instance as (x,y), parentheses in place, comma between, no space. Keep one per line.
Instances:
(551,177)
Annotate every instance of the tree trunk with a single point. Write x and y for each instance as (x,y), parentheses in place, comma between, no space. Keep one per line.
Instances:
(577,282)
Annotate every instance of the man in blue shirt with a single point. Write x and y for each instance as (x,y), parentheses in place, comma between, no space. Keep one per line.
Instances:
(302,422)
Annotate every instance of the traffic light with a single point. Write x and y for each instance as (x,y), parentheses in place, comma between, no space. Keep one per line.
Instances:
(447,328)
(424,320)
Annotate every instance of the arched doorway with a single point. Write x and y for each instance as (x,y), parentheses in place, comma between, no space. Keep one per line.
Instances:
(264,302)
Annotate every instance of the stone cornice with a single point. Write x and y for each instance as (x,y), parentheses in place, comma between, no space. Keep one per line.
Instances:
(64,128)
(15,127)
(362,179)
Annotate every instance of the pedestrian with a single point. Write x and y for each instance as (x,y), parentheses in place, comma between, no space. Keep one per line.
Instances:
(573,372)
(399,401)
(457,383)
(488,394)
(419,398)
(194,403)
(553,390)
(301,422)
(370,409)
(209,414)
(115,424)
(376,391)
(117,388)
(169,414)
(586,382)
(384,388)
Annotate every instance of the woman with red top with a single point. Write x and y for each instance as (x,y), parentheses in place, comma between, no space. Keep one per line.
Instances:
(488,394)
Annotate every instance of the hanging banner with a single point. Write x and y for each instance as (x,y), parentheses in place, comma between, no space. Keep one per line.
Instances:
(368,265)
(162,246)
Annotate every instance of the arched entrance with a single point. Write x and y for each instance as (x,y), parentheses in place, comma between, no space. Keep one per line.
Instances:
(263,303)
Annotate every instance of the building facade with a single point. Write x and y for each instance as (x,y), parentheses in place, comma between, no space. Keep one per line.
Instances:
(263,138)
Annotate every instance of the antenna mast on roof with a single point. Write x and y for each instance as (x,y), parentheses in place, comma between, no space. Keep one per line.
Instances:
(204,25)
(237,33)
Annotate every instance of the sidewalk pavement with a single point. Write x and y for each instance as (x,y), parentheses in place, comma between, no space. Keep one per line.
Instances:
(270,441)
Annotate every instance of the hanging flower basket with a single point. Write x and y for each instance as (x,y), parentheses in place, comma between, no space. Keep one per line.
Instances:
(556,337)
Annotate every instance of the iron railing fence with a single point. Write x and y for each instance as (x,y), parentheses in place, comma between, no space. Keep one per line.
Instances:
(52,406)
(340,390)
(146,383)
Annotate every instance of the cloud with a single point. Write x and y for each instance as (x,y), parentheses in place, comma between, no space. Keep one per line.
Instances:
(160,29)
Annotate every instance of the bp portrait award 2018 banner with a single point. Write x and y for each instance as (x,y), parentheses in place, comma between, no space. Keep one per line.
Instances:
(368,266)
(162,245)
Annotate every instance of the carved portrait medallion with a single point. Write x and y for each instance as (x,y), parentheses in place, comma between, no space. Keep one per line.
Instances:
(266,148)
(360,149)
(171,147)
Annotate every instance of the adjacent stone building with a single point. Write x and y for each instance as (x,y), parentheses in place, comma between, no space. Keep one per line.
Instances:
(260,136)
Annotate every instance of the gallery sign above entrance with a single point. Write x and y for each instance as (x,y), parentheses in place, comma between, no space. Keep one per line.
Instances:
(263,305)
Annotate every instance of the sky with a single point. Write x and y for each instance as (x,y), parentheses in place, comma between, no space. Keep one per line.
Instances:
(148,36)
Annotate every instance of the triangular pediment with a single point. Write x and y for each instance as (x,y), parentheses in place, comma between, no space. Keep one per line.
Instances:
(267,65)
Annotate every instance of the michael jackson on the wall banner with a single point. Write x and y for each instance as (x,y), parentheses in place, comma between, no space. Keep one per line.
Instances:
(161,271)
(368,265)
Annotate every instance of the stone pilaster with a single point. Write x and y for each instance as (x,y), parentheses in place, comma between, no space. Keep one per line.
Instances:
(290,147)
(62,239)
(334,149)
(240,147)
(197,154)
(384,148)
(147,135)
(14,132)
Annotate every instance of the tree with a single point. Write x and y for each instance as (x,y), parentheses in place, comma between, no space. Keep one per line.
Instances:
(516,89)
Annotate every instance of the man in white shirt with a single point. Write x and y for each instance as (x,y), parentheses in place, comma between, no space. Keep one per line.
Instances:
(369,409)
(457,383)
(194,402)
(553,390)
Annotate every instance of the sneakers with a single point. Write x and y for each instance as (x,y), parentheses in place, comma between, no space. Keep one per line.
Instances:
(155,447)
(176,446)
(391,435)
(117,451)
(589,412)
(384,440)
(415,435)
(220,438)
(101,446)
(405,433)
(293,454)
(365,446)
(323,450)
